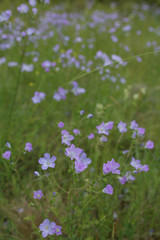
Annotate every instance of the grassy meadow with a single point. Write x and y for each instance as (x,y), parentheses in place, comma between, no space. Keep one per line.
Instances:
(92,63)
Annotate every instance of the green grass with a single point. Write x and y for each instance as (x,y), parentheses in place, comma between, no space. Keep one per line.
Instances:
(85,213)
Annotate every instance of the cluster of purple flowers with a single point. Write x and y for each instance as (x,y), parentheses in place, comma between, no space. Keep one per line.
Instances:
(138,166)
(111,167)
(80,157)
(61,93)
(127,177)
(47,65)
(139,131)
(23,8)
(5,16)
(49,228)
(7,154)
(32,3)
(76,90)
(27,67)
(38,97)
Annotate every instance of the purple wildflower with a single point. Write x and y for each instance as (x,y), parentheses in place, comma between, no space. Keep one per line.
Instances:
(149,145)
(56,48)
(28,147)
(47,1)
(104,128)
(127,177)
(82,163)
(36,174)
(12,64)
(38,194)
(125,151)
(134,125)
(76,131)
(134,134)
(116,58)
(47,228)
(76,90)
(126,28)
(79,166)
(109,125)
(7,155)
(73,153)
(27,67)
(5,15)
(23,34)
(61,94)
(8,145)
(108,189)
(47,69)
(66,137)
(141,131)
(32,3)
(81,112)
(101,129)
(144,168)
(58,230)
(123,179)
(83,158)
(46,64)
(122,127)
(2,60)
(47,161)
(42,95)
(103,139)
(90,115)
(34,10)
(139,59)
(38,97)
(30,31)
(91,136)
(111,166)
(60,124)
(135,163)
(23,8)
